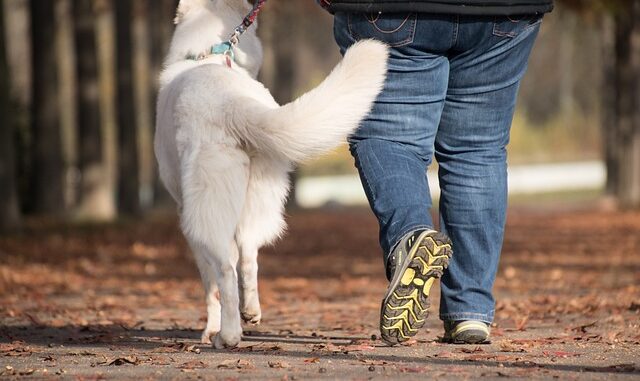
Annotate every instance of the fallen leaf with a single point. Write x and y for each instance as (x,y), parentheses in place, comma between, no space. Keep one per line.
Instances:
(161,360)
(561,354)
(178,347)
(262,347)
(374,362)
(132,360)
(16,349)
(444,355)
(235,364)
(471,350)
(361,347)
(279,365)
(611,337)
(27,372)
(521,323)
(510,346)
(190,365)
(8,371)
(583,328)
(414,369)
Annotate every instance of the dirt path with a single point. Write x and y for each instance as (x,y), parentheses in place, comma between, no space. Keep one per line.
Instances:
(125,302)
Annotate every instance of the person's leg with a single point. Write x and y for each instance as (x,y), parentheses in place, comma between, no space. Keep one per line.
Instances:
(394,145)
(487,63)
(393,149)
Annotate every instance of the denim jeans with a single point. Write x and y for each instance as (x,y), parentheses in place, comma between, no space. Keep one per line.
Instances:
(450,92)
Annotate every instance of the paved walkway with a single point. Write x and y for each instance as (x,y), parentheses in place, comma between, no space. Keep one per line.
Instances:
(125,302)
(313,192)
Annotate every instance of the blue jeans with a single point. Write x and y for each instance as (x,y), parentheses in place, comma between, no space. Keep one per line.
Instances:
(450,92)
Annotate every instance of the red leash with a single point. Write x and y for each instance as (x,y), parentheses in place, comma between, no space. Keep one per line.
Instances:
(247,21)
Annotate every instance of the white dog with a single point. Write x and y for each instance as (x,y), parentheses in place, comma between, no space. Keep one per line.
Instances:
(225,148)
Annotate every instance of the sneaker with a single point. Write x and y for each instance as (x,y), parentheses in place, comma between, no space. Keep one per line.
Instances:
(466,332)
(417,261)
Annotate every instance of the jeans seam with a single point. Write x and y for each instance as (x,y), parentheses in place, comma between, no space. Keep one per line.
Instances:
(413,16)
(457,316)
(454,39)
(363,177)
(499,33)
(383,31)
(369,187)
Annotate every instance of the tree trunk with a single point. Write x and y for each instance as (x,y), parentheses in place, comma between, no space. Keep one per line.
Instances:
(67,85)
(161,20)
(143,93)
(128,182)
(47,173)
(280,57)
(566,65)
(628,104)
(9,211)
(279,72)
(96,191)
(609,119)
(106,52)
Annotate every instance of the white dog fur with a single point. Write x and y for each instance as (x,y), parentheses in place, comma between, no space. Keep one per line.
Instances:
(225,148)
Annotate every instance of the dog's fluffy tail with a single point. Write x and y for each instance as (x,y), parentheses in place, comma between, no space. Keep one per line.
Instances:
(321,119)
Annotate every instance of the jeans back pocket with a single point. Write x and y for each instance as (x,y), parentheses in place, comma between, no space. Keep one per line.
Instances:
(394,29)
(511,26)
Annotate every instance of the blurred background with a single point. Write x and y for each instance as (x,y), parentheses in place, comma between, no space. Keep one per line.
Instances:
(78,87)
(93,265)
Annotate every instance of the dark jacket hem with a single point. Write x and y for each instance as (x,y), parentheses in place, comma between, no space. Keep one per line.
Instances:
(429,7)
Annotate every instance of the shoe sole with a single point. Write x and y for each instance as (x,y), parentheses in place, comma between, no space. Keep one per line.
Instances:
(405,306)
(469,337)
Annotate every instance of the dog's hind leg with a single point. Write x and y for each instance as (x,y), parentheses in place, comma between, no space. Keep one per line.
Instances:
(248,276)
(261,223)
(214,183)
(212,295)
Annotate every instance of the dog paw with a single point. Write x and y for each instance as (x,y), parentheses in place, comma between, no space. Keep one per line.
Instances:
(252,317)
(207,335)
(226,341)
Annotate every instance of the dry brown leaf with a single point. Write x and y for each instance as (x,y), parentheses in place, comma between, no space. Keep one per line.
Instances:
(235,364)
(131,360)
(477,349)
(279,364)
(414,369)
(27,372)
(510,346)
(583,328)
(561,354)
(521,324)
(445,355)
(178,347)
(192,365)
(361,347)
(612,337)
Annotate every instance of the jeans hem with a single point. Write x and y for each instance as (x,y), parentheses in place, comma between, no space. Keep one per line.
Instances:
(486,318)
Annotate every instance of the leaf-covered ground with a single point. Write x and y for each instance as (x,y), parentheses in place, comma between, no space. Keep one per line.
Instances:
(125,302)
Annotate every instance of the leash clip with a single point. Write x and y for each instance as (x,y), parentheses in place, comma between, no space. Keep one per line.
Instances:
(235,37)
